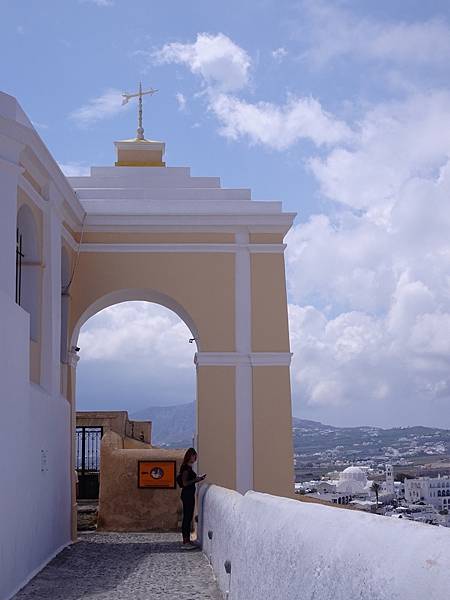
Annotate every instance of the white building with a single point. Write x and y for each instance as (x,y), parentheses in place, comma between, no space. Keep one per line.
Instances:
(35,422)
(432,490)
(390,488)
(353,481)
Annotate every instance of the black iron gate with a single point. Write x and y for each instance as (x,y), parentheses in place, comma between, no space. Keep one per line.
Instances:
(88,461)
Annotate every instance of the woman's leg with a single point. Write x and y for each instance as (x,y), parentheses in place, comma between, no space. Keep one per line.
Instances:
(188,513)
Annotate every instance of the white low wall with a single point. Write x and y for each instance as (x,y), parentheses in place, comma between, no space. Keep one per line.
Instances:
(282,549)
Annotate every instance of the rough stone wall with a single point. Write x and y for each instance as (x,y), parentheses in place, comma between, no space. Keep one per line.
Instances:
(117,421)
(122,505)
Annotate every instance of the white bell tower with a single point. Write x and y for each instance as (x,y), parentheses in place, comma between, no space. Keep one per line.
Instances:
(389,479)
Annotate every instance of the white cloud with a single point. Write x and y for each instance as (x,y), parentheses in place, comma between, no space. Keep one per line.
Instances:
(278,127)
(279,54)
(224,69)
(332,32)
(354,367)
(74,169)
(137,332)
(217,59)
(181,100)
(394,144)
(370,287)
(108,105)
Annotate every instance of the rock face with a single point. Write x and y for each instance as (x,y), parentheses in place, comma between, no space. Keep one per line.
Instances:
(123,506)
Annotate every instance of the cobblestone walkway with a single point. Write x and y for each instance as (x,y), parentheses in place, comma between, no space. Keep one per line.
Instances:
(131,566)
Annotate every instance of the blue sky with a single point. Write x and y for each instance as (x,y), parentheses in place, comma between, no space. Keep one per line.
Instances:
(339,109)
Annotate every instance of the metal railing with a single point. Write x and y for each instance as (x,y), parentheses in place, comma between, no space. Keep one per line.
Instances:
(88,449)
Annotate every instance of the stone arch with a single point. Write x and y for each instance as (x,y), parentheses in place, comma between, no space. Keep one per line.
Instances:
(129,295)
(27,233)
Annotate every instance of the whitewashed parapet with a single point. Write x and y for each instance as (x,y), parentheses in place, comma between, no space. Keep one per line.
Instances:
(286,549)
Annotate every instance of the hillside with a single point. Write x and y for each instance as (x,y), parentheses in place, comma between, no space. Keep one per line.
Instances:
(173,426)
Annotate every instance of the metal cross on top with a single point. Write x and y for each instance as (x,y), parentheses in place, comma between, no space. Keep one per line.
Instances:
(139,94)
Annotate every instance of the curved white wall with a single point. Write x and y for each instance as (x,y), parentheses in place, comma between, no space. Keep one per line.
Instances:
(282,549)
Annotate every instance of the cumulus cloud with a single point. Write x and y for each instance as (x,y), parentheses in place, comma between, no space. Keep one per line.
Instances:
(333,32)
(137,331)
(370,287)
(134,355)
(105,106)
(224,69)
(215,58)
(278,127)
(396,143)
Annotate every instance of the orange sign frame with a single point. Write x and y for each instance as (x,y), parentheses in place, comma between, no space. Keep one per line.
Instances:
(157,474)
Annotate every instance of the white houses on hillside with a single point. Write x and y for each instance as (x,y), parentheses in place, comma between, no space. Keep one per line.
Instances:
(432,490)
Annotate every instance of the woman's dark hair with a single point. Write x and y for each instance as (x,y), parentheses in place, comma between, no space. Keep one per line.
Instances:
(189,454)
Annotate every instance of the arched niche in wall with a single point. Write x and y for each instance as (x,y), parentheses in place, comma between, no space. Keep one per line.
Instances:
(30,271)
(65,280)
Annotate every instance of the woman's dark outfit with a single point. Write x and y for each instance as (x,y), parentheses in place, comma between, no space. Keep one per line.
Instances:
(188,500)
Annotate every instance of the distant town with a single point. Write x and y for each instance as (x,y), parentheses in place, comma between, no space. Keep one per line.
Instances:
(402,473)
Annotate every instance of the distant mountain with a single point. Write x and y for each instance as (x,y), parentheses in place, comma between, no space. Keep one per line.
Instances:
(172,426)
(315,441)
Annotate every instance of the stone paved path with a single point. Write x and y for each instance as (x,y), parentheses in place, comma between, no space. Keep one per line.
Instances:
(131,566)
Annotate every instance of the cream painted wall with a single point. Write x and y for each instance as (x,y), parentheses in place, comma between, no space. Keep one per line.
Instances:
(167,237)
(203,284)
(272,431)
(216,424)
(270,332)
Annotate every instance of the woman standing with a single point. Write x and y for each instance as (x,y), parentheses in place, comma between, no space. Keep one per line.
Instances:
(187,479)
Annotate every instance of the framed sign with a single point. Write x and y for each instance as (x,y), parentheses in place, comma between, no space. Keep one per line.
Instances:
(157,474)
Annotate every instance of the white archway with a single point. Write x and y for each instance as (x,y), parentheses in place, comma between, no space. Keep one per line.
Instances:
(133,295)
(128,295)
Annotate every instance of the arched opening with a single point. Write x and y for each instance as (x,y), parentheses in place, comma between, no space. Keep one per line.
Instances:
(136,356)
(28,268)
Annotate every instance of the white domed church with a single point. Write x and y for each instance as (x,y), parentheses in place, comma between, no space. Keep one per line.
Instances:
(353,481)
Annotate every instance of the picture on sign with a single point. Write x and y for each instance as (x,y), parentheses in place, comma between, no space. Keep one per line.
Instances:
(157,474)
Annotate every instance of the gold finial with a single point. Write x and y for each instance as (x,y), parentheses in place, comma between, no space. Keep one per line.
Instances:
(126,97)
